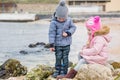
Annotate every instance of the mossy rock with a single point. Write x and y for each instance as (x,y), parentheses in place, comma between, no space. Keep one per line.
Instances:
(41,72)
(116,65)
(12,68)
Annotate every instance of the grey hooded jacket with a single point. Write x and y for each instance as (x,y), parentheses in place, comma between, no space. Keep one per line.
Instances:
(56,30)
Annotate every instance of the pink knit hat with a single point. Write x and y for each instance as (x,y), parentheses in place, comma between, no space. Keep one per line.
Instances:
(94,24)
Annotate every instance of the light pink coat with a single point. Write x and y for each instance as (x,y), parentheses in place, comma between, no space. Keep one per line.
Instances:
(97,51)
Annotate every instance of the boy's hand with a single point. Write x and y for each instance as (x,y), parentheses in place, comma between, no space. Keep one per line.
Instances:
(65,34)
(52,49)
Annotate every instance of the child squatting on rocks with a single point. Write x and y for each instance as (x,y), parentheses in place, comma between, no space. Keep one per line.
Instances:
(95,51)
(60,38)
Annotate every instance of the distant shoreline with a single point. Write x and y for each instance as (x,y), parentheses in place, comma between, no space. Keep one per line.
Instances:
(83,15)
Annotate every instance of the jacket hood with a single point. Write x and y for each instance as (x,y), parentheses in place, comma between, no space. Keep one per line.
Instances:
(104,31)
(53,16)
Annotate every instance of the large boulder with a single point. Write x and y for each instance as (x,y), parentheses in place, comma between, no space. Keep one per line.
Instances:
(94,72)
(12,68)
(40,72)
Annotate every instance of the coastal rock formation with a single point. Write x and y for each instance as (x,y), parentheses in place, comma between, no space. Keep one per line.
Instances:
(12,68)
(39,47)
(41,72)
(94,72)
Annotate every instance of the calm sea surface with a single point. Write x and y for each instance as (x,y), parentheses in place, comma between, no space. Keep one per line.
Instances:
(15,37)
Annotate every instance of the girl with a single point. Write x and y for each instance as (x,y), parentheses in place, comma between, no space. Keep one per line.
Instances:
(95,51)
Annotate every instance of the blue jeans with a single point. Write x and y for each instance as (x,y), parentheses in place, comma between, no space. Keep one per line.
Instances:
(62,61)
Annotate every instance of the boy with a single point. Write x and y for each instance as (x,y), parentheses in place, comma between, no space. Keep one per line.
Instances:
(60,38)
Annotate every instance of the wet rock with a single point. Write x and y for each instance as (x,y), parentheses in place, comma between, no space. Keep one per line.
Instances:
(37,48)
(23,52)
(12,68)
(40,43)
(32,45)
(36,44)
(94,72)
(47,45)
(41,72)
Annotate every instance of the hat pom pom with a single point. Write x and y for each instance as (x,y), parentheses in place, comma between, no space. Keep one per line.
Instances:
(62,3)
(97,18)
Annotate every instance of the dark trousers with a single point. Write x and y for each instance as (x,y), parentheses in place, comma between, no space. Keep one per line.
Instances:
(62,61)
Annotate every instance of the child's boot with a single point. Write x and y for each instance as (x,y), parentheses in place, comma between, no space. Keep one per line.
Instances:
(70,75)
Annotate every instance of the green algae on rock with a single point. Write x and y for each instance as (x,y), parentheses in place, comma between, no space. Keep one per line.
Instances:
(12,68)
(40,72)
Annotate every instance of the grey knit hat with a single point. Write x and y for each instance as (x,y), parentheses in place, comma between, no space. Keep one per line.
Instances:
(61,10)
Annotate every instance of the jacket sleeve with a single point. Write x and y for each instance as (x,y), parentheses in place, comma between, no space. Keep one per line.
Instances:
(98,45)
(72,28)
(52,33)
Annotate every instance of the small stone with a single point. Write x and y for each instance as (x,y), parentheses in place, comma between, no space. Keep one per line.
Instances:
(32,45)
(23,52)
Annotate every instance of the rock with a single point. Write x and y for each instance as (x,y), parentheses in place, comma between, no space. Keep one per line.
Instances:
(36,44)
(17,78)
(12,68)
(117,78)
(47,45)
(2,72)
(70,64)
(23,52)
(32,45)
(41,72)
(51,78)
(94,72)
(116,65)
(40,43)
(116,72)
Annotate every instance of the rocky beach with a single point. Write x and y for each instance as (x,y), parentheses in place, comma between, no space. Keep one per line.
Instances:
(16,37)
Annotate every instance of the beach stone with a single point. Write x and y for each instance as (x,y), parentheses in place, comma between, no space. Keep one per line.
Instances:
(32,45)
(116,65)
(23,52)
(40,43)
(12,68)
(94,72)
(47,45)
(40,72)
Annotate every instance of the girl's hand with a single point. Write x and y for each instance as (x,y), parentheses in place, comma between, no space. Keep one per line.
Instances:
(52,49)
(65,34)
